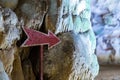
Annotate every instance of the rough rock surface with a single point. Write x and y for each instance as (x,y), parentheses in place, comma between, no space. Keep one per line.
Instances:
(9,4)
(69,61)
(3,74)
(106,25)
(58,60)
(9,35)
(72,59)
(31,13)
(71,19)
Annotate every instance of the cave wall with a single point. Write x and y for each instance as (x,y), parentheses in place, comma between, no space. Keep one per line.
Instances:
(72,59)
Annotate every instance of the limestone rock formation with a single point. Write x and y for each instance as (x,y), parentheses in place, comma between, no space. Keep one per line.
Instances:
(31,13)
(77,21)
(58,60)
(72,59)
(9,35)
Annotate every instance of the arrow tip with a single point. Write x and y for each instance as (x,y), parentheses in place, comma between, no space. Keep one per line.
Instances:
(53,39)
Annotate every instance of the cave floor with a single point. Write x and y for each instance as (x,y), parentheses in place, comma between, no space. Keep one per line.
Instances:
(109,72)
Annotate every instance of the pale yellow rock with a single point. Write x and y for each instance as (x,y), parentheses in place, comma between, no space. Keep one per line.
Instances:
(9,3)
(3,75)
(8,36)
(17,73)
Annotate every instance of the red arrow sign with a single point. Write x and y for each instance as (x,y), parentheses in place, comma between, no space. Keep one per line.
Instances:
(38,38)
